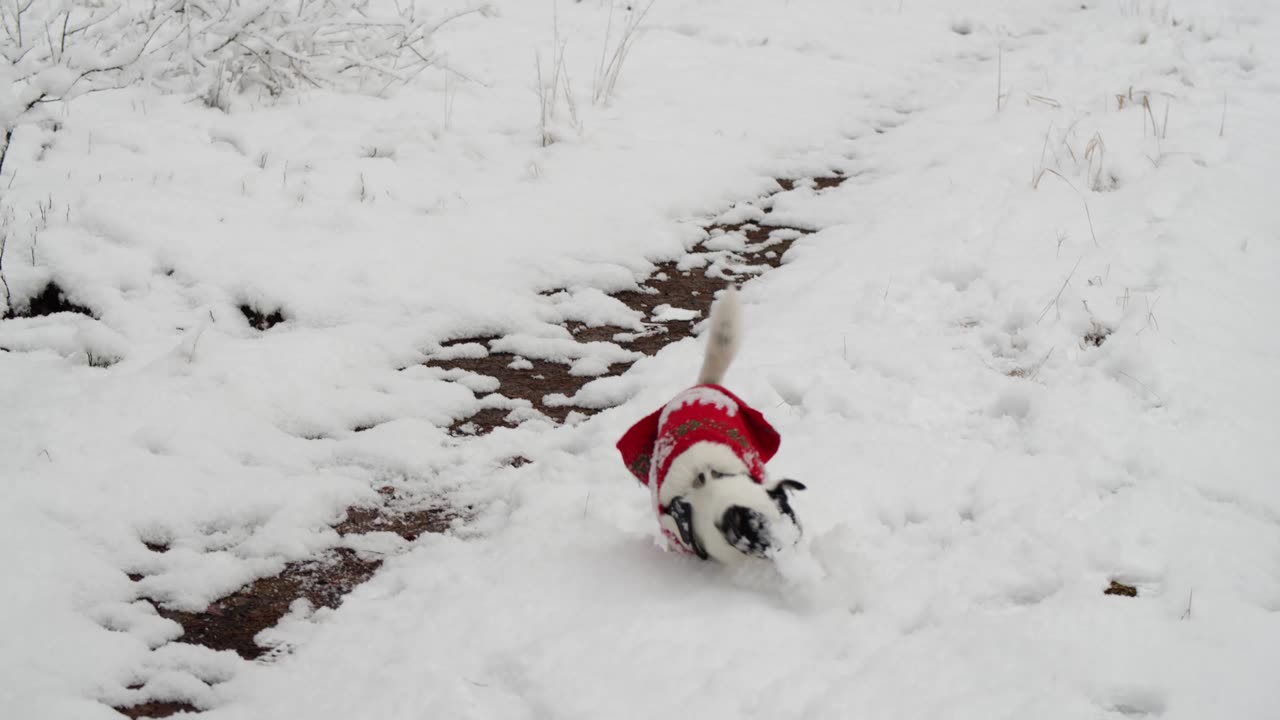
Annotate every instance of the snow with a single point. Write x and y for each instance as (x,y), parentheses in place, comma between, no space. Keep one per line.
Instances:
(977,472)
(667,313)
(699,395)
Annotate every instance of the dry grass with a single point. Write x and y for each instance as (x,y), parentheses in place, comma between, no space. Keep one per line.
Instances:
(610,66)
(554,89)
(1095,153)
(1035,184)
(1054,302)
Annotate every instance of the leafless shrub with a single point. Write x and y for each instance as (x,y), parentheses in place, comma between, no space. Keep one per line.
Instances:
(1095,153)
(614,51)
(362,45)
(1035,184)
(554,89)
(54,50)
(6,221)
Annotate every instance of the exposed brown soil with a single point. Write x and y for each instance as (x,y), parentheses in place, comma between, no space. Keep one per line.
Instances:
(527,384)
(482,340)
(408,524)
(231,623)
(157,709)
(482,422)
(694,289)
(49,301)
(823,183)
(1097,335)
(260,320)
(585,333)
(1119,588)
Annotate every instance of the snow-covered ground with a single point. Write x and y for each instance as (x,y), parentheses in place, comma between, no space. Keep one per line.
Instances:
(978,471)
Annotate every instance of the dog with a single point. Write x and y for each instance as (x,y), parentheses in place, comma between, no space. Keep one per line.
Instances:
(703,458)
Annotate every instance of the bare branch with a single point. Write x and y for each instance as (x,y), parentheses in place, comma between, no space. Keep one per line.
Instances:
(1054,302)
(62,46)
(101,46)
(4,242)
(1088,215)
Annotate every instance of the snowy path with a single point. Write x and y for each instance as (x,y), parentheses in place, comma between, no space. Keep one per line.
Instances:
(1002,398)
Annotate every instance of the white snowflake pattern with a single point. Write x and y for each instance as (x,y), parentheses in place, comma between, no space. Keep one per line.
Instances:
(701,395)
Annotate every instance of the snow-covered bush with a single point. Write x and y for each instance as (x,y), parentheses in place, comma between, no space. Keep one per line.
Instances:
(615,50)
(53,50)
(233,46)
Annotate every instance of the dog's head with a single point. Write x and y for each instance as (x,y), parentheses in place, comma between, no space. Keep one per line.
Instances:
(731,516)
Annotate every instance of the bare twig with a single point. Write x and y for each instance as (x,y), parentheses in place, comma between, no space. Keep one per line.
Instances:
(544,104)
(607,73)
(999,76)
(1151,313)
(272,46)
(1044,147)
(1054,302)
(4,146)
(4,243)
(1158,399)
(1088,215)
(1155,128)
(1035,369)
(62,46)
(1095,148)
(481,10)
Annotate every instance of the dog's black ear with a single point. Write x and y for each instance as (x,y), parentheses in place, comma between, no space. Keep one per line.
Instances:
(789,485)
(779,495)
(682,512)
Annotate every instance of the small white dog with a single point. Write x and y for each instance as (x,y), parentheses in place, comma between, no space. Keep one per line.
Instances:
(703,457)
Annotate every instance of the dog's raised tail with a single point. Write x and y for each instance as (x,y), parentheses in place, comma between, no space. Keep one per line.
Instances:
(724,334)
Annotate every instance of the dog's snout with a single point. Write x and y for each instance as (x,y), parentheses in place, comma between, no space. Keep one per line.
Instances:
(746,530)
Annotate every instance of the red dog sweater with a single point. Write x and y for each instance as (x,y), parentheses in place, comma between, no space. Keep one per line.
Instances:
(703,413)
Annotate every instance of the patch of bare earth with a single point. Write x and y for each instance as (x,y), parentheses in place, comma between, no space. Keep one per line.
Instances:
(157,709)
(1118,588)
(532,380)
(52,299)
(232,622)
(259,319)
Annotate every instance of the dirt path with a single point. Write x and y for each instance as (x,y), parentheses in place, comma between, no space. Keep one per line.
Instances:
(232,622)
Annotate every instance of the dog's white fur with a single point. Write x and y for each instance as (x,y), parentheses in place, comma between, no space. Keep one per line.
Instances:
(690,473)
(724,336)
